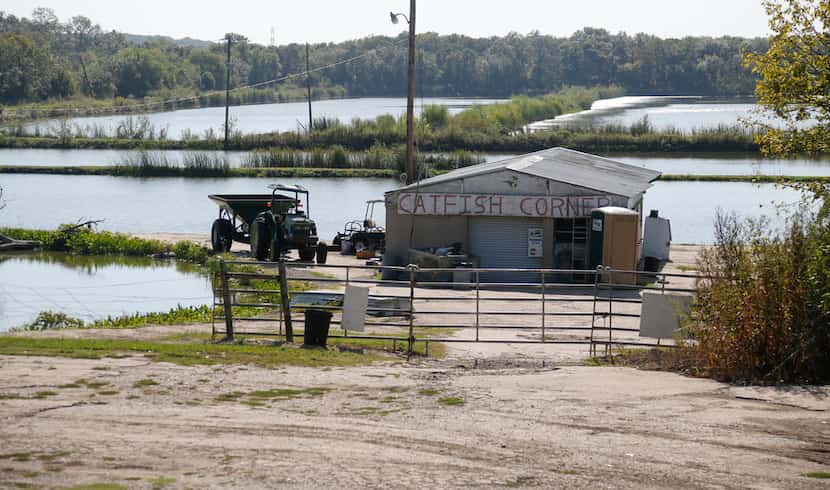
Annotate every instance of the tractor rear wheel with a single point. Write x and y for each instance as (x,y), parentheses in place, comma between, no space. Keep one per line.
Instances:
(260,239)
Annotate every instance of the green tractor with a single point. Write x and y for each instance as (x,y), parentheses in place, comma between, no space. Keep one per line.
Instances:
(271,224)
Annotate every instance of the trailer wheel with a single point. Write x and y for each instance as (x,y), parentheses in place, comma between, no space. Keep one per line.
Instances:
(221,235)
(260,239)
(322,252)
(307,254)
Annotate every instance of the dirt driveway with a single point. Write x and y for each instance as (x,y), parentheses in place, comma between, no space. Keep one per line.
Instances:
(432,424)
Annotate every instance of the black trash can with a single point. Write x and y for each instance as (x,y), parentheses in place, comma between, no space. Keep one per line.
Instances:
(316,327)
(651,264)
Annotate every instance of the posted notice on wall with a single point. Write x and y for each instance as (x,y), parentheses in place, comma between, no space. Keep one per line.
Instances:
(535,242)
(355,303)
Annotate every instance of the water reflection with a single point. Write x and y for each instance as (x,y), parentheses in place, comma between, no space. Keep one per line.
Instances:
(92,288)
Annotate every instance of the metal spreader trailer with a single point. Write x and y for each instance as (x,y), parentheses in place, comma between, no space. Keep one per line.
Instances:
(271,223)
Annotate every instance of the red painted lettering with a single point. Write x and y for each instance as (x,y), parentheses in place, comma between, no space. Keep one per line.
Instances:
(522,207)
(419,203)
(573,207)
(449,202)
(587,205)
(556,203)
(495,202)
(480,200)
(405,198)
(466,198)
(435,198)
(541,207)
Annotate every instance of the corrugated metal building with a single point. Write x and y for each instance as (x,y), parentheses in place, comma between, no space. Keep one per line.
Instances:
(530,211)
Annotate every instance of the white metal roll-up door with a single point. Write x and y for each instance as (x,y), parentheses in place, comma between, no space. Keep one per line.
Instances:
(502,243)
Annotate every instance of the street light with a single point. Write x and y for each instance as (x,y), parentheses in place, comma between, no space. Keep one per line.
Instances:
(410,92)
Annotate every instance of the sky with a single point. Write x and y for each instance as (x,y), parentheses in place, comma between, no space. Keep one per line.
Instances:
(339,20)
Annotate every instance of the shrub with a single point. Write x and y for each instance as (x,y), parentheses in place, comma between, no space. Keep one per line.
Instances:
(50,320)
(763,313)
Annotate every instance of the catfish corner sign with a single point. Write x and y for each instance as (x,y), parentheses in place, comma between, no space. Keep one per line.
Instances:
(431,204)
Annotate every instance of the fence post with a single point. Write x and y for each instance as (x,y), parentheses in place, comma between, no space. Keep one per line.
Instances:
(593,348)
(412,268)
(610,311)
(478,298)
(226,300)
(543,307)
(285,302)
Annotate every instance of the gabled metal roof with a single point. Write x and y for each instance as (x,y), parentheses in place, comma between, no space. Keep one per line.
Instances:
(563,165)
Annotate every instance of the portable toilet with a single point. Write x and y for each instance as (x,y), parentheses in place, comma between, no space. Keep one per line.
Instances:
(614,238)
(656,237)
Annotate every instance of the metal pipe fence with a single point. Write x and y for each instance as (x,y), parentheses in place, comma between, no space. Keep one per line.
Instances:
(422,305)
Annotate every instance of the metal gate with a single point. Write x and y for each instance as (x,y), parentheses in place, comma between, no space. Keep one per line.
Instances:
(407,312)
(501,243)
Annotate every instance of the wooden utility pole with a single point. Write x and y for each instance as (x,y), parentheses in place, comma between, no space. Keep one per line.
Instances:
(410,100)
(308,87)
(229,40)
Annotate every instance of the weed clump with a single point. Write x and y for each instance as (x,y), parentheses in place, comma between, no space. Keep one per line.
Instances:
(762,313)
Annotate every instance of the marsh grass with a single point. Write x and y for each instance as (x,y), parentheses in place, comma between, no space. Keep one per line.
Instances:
(377,157)
(84,241)
(154,164)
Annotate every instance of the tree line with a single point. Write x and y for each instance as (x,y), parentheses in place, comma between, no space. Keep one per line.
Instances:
(44,58)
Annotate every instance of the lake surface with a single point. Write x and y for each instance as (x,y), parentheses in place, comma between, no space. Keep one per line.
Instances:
(92,288)
(266,118)
(173,205)
(703,164)
(178,205)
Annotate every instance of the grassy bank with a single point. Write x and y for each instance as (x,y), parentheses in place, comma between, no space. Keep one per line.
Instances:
(187,354)
(120,171)
(760,179)
(87,242)
(350,138)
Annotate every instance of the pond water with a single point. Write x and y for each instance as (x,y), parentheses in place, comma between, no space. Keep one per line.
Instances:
(92,288)
(266,118)
(74,158)
(172,205)
(178,205)
(699,164)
